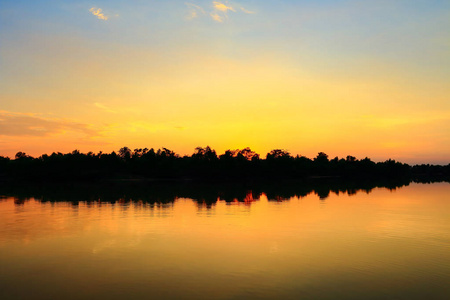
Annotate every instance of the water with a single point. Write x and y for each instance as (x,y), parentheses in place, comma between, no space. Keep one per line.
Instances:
(382,244)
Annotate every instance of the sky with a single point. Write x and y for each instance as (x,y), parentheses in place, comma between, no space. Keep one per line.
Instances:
(362,78)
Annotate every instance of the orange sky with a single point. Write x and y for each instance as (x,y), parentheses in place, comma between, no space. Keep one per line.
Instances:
(340,77)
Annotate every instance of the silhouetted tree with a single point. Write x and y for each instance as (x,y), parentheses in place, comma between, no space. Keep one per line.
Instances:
(204,164)
(248,154)
(350,158)
(21,155)
(321,158)
(205,154)
(277,154)
(125,153)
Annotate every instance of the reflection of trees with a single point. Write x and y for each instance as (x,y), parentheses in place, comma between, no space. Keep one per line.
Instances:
(206,195)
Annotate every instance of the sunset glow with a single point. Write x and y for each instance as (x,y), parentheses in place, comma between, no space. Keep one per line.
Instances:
(367,78)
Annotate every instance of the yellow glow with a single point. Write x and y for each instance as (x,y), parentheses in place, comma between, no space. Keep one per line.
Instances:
(139,98)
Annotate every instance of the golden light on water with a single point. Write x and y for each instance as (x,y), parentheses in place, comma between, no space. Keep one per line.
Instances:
(383,243)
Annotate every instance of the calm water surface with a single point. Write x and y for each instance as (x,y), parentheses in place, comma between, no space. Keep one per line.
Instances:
(379,245)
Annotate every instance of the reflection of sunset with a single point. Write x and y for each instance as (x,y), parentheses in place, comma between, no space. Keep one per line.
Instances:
(131,219)
(224,248)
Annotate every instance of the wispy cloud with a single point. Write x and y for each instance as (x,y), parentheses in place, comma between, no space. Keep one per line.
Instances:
(222,7)
(22,124)
(194,10)
(98,13)
(219,10)
(247,11)
(216,17)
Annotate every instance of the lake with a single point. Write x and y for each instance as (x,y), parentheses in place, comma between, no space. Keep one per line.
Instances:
(375,243)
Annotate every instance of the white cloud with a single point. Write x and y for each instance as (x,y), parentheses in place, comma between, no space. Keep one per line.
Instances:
(98,13)
(247,11)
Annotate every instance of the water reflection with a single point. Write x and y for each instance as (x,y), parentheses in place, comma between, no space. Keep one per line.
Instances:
(278,241)
(205,195)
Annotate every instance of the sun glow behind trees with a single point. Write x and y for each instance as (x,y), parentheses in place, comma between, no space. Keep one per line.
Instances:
(366,79)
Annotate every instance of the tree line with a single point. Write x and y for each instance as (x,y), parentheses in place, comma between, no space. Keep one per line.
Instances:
(206,164)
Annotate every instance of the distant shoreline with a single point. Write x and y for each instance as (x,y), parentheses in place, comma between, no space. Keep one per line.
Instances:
(204,165)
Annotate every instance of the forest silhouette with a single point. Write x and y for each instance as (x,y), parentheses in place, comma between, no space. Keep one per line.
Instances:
(205,165)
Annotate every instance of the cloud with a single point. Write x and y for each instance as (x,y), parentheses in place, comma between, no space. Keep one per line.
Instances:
(222,7)
(98,13)
(219,12)
(22,124)
(216,17)
(194,10)
(247,11)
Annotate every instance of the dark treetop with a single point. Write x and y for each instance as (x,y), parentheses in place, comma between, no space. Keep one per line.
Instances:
(205,165)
